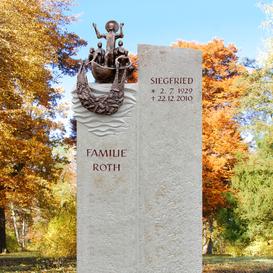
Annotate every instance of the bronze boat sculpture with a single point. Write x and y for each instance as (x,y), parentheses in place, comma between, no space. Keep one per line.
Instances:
(104,74)
(112,65)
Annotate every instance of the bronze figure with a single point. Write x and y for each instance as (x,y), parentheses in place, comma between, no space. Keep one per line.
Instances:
(108,66)
(111,36)
(99,55)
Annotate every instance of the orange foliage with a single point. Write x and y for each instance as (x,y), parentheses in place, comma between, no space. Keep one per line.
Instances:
(33,38)
(133,78)
(221,137)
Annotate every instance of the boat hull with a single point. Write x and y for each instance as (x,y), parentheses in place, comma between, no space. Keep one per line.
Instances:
(104,74)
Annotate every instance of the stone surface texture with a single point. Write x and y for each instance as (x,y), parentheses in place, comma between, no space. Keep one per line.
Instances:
(145,217)
(103,125)
(170,160)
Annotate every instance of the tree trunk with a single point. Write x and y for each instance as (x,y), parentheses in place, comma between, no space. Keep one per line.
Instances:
(208,246)
(3,243)
(24,233)
(13,216)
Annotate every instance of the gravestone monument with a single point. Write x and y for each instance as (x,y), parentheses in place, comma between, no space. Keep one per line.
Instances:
(139,160)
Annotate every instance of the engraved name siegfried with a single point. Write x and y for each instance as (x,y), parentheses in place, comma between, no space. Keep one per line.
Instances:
(171,80)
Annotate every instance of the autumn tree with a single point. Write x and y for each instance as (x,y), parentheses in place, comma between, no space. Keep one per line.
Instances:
(61,213)
(134,76)
(33,42)
(221,136)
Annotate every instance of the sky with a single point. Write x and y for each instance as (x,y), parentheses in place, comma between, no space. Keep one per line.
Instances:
(162,22)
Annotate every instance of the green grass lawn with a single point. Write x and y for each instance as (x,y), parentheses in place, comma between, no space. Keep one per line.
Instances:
(30,262)
(228,264)
(26,254)
(26,262)
(21,269)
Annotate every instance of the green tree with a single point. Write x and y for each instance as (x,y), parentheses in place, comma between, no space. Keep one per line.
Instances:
(233,229)
(253,181)
(256,112)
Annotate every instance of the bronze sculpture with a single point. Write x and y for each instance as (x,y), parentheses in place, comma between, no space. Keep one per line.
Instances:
(112,65)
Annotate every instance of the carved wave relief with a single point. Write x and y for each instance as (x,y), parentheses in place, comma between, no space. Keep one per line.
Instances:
(103,125)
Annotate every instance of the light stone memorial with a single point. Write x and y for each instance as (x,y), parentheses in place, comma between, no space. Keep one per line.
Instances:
(139,160)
